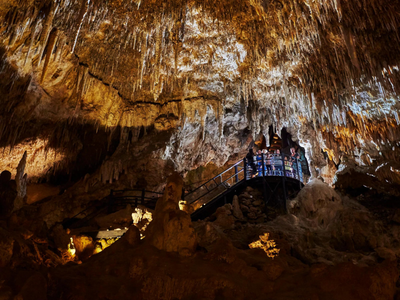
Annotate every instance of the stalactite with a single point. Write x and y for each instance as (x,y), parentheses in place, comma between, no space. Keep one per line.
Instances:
(307,63)
(50,46)
(47,27)
(81,18)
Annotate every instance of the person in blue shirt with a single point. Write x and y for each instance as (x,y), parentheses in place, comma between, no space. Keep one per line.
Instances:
(259,162)
(278,163)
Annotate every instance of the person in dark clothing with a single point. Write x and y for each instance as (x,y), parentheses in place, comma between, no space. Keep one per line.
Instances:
(250,160)
(278,163)
(268,163)
(294,157)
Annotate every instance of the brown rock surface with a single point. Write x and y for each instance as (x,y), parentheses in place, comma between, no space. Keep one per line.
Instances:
(236,208)
(6,249)
(34,288)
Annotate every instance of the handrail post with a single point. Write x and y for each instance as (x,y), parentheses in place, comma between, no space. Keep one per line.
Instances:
(283,165)
(263,179)
(245,168)
(143,194)
(284,183)
(236,174)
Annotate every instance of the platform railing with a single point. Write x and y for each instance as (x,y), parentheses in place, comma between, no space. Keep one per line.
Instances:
(217,185)
(115,200)
(133,197)
(281,165)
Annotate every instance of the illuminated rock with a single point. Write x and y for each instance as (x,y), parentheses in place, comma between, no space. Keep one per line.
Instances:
(171,229)
(318,202)
(84,246)
(111,94)
(141,217)
(317,69)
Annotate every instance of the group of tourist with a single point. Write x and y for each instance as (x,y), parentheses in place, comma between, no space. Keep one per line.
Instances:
(275,164)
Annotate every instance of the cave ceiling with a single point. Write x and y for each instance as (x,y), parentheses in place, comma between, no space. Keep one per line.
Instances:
(210,73)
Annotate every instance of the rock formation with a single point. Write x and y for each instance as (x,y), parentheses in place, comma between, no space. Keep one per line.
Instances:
(171,229)
(121,94)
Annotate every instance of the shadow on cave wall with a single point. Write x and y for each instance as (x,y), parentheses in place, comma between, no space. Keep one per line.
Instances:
(85,145)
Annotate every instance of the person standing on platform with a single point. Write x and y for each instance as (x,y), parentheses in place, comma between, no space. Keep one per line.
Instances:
(294,158)
(278,163)
(250,161)
(259,162)
(288,167)
(268,163)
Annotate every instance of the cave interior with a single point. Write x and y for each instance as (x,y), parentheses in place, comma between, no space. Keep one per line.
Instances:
(117,116)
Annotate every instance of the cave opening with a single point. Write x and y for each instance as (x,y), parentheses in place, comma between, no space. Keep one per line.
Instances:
(283,142)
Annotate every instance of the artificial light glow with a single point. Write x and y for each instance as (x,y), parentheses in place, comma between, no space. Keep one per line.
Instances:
(71,247)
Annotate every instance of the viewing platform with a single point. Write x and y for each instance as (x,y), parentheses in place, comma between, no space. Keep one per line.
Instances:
(279,176)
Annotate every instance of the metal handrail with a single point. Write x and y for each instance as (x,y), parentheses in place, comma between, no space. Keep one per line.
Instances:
(213,179)
(113,199)
(281,164)
(218,185)
(106,201)
(282,169)
(233,175)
